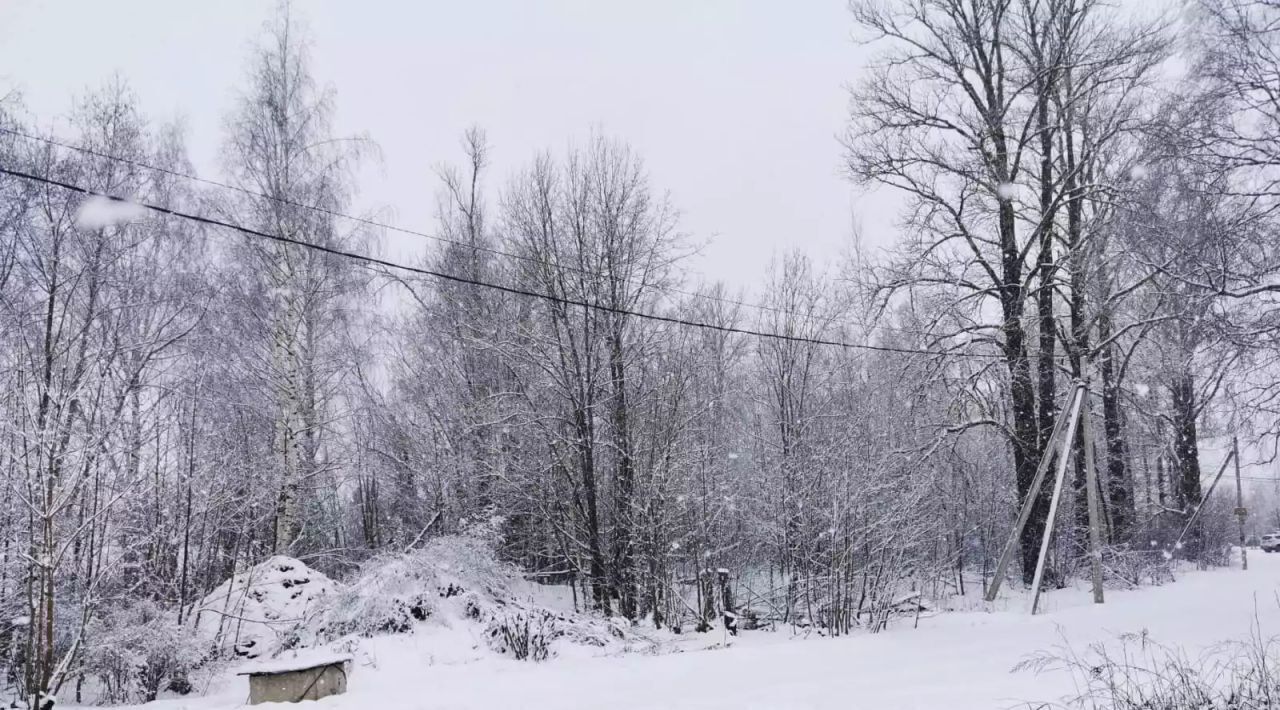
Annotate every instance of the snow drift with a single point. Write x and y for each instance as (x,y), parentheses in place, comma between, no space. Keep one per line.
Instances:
(258,612)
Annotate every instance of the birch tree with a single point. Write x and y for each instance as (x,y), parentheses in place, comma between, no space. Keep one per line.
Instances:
(280,145)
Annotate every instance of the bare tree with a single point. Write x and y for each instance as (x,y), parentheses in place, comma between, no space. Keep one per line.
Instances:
(280,145)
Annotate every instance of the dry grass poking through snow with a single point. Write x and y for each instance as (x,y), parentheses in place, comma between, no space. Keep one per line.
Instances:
(1138,673)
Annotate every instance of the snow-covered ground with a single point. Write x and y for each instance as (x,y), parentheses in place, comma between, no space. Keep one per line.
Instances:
(956,660)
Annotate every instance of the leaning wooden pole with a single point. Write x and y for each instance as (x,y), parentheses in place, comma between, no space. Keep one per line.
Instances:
(1072,419)
(1204,500)
(1095,524)
(1024,515)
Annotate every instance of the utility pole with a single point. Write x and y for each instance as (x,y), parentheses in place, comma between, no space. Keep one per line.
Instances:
(1095,522)
(1057,496)
(1033,493)
(1075,414)
(1241,512)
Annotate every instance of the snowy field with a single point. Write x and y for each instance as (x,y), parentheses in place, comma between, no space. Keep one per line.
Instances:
(958,660)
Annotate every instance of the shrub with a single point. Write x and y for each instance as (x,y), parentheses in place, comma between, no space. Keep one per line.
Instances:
(525,635)
(396,591)
(1127,567)
(137,650)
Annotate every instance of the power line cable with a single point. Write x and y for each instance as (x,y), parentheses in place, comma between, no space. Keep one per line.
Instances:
(475,282)
(381,225)
(426,235)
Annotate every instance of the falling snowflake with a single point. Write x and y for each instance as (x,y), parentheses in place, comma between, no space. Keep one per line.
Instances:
(1006,191)
(100,212)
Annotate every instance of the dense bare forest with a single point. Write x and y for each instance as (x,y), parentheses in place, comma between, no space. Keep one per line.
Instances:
(1091,196)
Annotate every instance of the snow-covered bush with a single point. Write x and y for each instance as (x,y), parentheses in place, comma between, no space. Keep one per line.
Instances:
(393,592)
(138,650)
(1126,567)
(452,581)
(525,635)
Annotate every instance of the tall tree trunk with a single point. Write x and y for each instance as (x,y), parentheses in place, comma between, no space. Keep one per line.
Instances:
(1119,483)
(1072,178)
(1046,368)
(585,431)
(624,480)
(1045,265)
(1022,391)
(1186,452)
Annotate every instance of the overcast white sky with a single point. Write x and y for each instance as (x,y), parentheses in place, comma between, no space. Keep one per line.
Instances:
(736,105)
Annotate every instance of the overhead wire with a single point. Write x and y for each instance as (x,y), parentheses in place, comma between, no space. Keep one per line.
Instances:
(379,224)
(425,235)
(364,258)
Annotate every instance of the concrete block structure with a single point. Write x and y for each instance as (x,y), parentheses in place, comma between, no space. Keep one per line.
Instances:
(297,679)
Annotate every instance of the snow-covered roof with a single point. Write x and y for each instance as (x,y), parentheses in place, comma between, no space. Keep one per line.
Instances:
(298,662)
